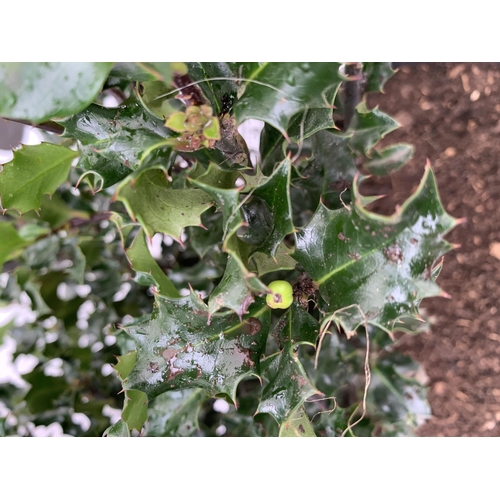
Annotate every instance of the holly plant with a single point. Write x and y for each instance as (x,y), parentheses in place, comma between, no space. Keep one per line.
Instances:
(235,290)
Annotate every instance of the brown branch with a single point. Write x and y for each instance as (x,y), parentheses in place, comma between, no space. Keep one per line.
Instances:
(352,91)
(49,126)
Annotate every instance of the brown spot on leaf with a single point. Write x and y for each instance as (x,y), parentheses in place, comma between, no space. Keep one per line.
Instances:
(254,326)
(394,253)
(169,353)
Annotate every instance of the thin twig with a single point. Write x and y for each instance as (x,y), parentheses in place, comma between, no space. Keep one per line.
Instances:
(352,91)
(49,126)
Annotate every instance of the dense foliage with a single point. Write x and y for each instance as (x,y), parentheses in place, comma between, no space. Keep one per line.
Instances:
(195,347)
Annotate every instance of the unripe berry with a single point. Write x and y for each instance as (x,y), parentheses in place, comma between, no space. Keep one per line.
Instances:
(282,296)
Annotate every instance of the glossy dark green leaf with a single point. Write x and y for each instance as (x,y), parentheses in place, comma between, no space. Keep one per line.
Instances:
(120,429)
(327,176)
(389,159)
(217,85)
(178,349)
(381,265)
(159,208)
(175,413)
(289,385)
(298,425)
(228,202)
(310,122)
(34,171)
(279,91)
(275,192)
(368,127)
(114,141)
(40,91)
(377,74)
(271,148)
(259,221)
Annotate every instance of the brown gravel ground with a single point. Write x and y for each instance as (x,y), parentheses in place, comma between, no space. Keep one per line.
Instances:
(451,113)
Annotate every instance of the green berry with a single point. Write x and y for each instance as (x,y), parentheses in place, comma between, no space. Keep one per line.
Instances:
(282,296)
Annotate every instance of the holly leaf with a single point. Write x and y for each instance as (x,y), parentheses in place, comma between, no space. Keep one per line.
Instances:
(120,429)
(215,176)
(272,144)
(327,175)
(395,397)
(228,202)
(282,261)
(40,91)
(125,364)
(159,208)
(135,409)
(205,238)
(10,242)
(276,92)
(289,385)
(147,71)
(175,413)
(148,272)
(369,126)
(57,212)
(275,192)
(390,159)
(217,91)
(114,141)
(235,290)
(151,97)
(33,172)
(374,268)
(298,425)
(377,74)
(177,349)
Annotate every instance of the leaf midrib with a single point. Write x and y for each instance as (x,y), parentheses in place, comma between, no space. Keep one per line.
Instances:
(45,172)
(355,261)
